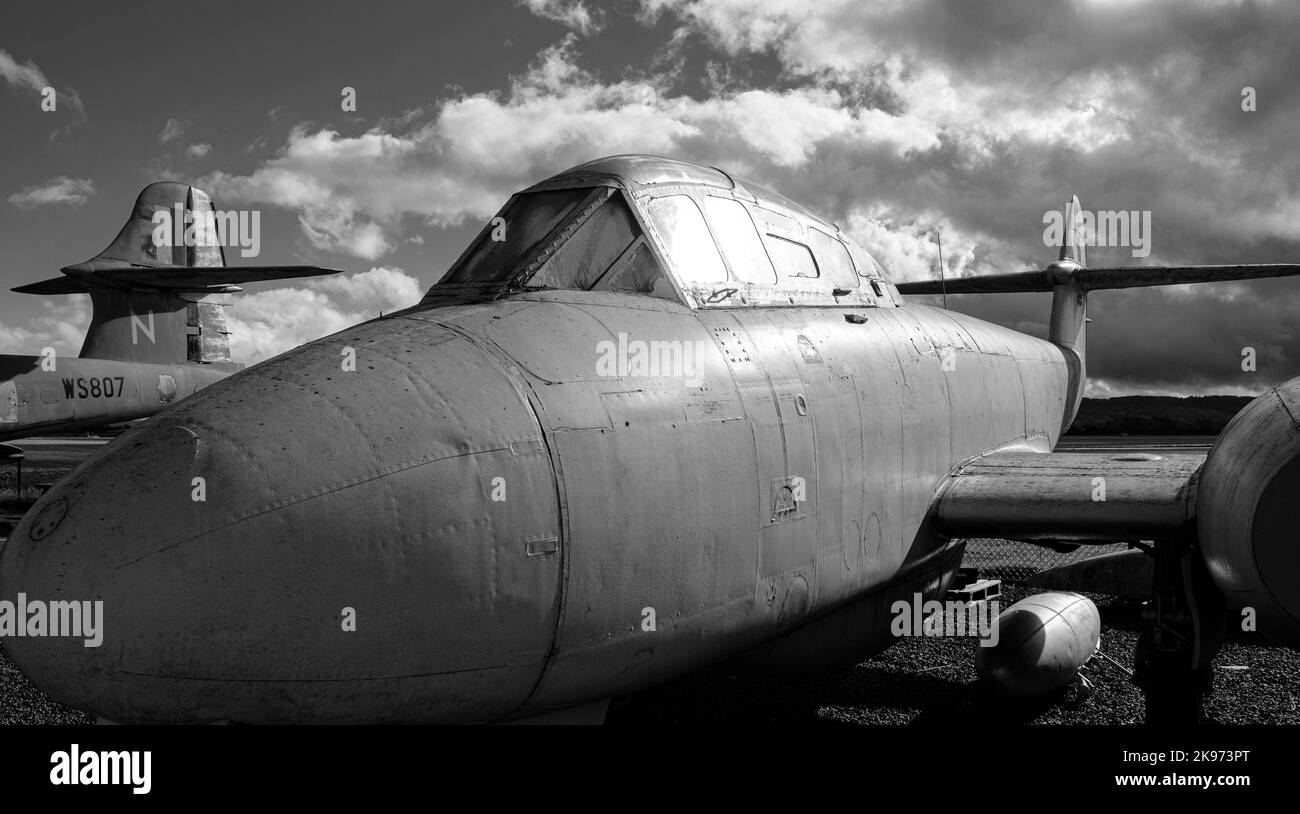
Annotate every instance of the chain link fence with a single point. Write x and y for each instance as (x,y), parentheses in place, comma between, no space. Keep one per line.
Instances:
(1012,561)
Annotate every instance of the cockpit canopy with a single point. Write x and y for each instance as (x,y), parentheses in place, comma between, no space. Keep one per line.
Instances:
(579,239)
(722,244)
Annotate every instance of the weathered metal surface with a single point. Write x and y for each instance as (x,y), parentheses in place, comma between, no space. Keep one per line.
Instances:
(83,393)
(8,402)
(1087,497)
(773,499)
(1042,642)
(670,511)
(1247,499)
(239,598)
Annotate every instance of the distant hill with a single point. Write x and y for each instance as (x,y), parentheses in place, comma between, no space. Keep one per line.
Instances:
(1156,415)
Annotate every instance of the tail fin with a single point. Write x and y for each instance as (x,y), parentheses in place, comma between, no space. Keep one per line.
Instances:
(1070,280)
(1069,326)
(160,288)
(1074,242)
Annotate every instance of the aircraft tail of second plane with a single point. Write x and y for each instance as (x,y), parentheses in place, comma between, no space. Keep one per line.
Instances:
(160,289)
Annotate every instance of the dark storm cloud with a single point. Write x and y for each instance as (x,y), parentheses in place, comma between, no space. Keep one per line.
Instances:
(1133,106)
(894,118)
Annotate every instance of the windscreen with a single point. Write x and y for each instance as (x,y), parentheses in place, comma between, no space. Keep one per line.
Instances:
(834,258)
(588,253)
(687,240)
(514,233)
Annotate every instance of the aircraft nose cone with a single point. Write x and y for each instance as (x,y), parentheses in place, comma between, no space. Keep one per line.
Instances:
(306,542)
(71,550)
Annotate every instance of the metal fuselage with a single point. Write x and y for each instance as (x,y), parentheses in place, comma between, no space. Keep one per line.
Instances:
(465,512)
(669,496)
(77,393)
(376,492)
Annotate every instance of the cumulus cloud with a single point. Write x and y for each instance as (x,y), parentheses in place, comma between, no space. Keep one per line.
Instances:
(896,119)
(59,323)
(172,130)
(351,192)
(1135,106)
(27,77)
(198,150)
(569,13)
(1049,96)
(266,323)
(61,190)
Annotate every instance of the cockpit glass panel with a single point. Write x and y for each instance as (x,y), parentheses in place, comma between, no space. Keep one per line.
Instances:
(867,265)
(774,223)
(687,241)
(637,272)
(794,259)
(834,258)
(589,252)
(739,240)
(512,236)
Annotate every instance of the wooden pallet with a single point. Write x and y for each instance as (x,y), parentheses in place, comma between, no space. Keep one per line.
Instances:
(980,590)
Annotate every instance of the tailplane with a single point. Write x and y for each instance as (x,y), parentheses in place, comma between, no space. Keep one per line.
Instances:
(1072,270)
(160,289)
(1070,279)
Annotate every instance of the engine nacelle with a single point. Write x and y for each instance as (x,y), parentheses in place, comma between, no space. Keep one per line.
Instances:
(1247,506)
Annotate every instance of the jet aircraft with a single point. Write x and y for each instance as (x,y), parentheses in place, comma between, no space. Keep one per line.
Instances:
(654,417)
(158,330)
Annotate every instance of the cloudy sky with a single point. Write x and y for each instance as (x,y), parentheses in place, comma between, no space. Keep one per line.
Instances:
(896,119)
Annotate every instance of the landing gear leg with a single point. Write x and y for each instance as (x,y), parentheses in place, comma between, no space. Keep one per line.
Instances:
(1184,630)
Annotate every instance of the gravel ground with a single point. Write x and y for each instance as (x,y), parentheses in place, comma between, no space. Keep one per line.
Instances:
(917,681)
(932,681)
(21,703)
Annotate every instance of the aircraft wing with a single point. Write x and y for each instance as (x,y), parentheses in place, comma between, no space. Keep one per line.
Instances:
(186,277)
(1069,497)
(1097,278)
(56,285)
(173,278)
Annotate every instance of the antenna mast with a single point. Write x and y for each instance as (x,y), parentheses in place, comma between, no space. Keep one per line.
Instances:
(943,284)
